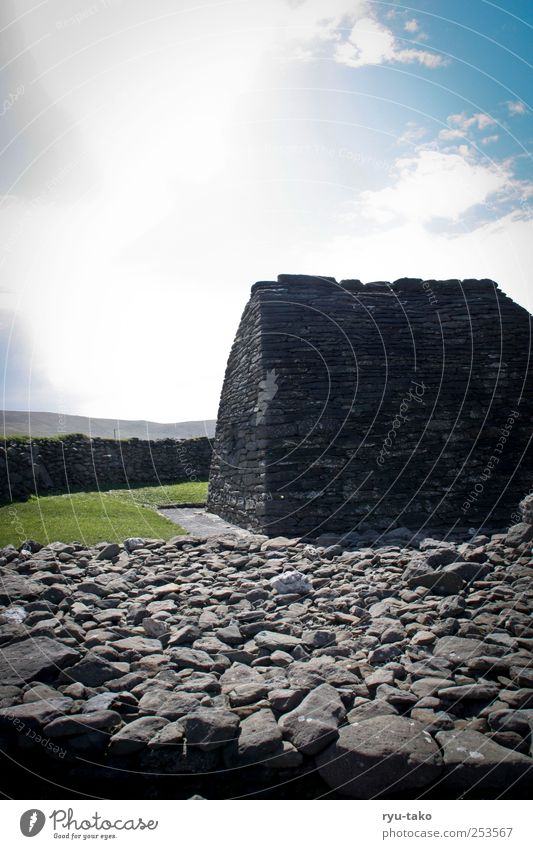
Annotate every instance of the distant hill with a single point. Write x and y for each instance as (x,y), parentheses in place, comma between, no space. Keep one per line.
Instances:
(15,422)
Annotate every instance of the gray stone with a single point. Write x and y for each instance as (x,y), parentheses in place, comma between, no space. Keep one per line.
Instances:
(457,650)
(284,700)
(246,694)
(138,645)
(384,654)
(519,534)
(474,762)
(183,658)
(441,556)
(133,543)
(169,705)
(291,582)
(18,718)
(520,721)
(170,735)
(109,552)
(468,571)
(68,726)
(386,754)
(36,657)
(368,710)
(423,687)
(93,671)
(184,636)
(259,738)
(136,735)
(17,587)
(288,758)
(313,724)
(395,696)
(469,692)
(319,639)
(442,583)
(155,627)
(526,508)
(208,728)
(273,641)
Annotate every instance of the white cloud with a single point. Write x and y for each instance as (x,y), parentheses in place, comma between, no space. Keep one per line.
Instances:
(432,185)
(411,25)
(464,122)
(516,107)
(371,43)
(499,250)
(314,19)
(490,139)
(451,135)
(423,57)
(412,134)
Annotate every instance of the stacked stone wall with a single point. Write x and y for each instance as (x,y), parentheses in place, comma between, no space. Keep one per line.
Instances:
(41,466)
(381,404)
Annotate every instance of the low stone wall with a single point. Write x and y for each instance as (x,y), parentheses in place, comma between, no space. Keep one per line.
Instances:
(41,466)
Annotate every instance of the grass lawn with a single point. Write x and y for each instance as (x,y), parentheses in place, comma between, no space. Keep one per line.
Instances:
(164,494)
(86,517)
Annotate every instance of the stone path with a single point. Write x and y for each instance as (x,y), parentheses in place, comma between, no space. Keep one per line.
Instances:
(199,522)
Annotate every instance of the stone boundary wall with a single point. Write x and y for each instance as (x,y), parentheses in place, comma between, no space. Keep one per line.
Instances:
(378,405)
(40,466)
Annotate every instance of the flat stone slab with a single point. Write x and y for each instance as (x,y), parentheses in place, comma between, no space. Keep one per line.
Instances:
(385,754)
(34,658)
(198,522)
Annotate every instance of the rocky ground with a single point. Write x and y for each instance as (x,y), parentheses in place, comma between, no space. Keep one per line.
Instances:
(199,665)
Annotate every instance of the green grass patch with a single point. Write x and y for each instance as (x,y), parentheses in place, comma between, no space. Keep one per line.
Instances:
(163,495)
(86,517)
(63,437)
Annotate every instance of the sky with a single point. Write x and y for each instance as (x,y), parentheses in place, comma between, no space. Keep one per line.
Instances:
(157,158)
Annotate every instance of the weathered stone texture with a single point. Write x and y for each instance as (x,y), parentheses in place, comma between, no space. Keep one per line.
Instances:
(385,404)
(43,465)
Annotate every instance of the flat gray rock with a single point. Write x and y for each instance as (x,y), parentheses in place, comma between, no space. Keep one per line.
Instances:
(273,641)
(138,645)
(441,583)
(312,725)
(199,522)
(368,710)
(208,728)
(38,657)
(458,650)
(17,587)
(136,735)
(474,762)
(518,534)
(69,726)
(469,692)
(33,714)
(93,671)
(167,704)
(259,738)
(386,754)
(192,659)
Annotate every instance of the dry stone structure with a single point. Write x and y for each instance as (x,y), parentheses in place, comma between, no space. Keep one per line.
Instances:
(346,406)
(40,466)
